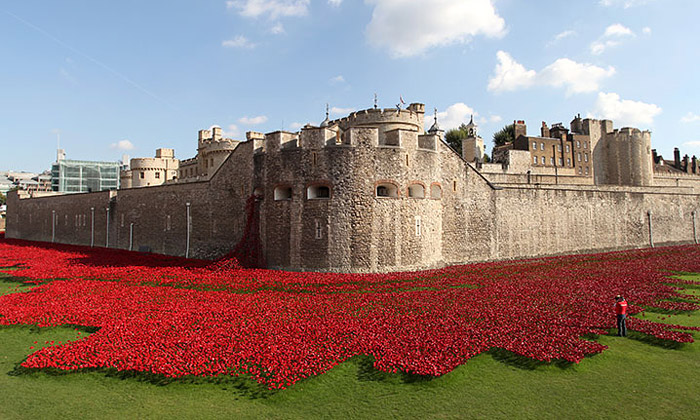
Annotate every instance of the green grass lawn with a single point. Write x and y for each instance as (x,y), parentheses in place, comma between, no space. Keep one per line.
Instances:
(634,378)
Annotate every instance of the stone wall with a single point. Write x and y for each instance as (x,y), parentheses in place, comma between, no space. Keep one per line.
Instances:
(354,230)
(562,219)
(148,219)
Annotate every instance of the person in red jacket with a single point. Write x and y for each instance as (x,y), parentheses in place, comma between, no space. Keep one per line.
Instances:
(621,312)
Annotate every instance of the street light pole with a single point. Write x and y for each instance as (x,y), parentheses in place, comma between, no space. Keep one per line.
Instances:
(92,227)
(131,236)
(187,249)
(53,226)
(107,232)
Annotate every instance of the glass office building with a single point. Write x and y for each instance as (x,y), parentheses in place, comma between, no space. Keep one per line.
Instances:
(76,176)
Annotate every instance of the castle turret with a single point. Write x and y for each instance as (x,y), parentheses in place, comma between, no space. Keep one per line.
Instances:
(327,121)
(473,145)
(435,128)
(216,133)
(629,160)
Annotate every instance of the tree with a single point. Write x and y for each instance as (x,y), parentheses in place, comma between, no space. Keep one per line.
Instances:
(455,136)
(504,135)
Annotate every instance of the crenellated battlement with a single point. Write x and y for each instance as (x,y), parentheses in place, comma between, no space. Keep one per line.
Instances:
(385,119)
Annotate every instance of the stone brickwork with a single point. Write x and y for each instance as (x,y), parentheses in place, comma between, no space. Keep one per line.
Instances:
(371,192)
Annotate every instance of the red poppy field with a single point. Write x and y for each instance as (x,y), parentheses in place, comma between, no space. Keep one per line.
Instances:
(179,317)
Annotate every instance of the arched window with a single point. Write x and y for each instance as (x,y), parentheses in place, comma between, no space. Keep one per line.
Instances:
(387,189)
(416,191)
(318,192)
(283,193)
(435,192)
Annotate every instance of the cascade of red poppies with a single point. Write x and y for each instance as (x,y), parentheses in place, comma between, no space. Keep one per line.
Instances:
(179,317)
(248,252)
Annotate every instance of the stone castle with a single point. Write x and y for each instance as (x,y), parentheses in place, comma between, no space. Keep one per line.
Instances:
(374,192)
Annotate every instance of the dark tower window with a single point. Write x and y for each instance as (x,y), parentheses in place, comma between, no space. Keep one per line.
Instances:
(318,192)
(283,193)
(387,190)
(416,191)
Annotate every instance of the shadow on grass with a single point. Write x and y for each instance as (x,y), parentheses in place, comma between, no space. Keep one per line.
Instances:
(521,362)
(244,386)
(33,328)
(366,372)
(654,341)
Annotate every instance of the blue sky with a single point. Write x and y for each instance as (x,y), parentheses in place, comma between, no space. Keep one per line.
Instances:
(131,76)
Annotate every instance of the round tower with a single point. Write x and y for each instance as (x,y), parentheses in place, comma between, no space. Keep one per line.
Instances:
(629,157)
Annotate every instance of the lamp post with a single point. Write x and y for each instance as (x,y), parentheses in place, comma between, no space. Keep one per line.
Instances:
(92,227)
(651,230)
(107,230)
(187,249)
(695,232)
(53,226)
(131,236)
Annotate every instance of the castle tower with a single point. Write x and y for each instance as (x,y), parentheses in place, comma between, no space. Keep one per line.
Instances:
(435,129)
(597,131)
(629,159)
(473,145)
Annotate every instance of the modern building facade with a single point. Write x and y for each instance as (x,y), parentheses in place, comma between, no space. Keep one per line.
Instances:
(78,176)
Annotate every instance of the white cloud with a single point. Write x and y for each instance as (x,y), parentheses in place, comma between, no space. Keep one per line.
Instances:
(273,9)
(337,79)
(253,120)
(277,29)
(410,27)
(576,77)
(690,117)
(510,75)
(599,47)
(452,117)
(561,35)
(612,37)
(692,143)
(341,111)
(122,145)
(495,119)
(646,30)
(295,126)
(232,131)
(624,3)
(335,3)
(239,42)
(617,29)
(624,112)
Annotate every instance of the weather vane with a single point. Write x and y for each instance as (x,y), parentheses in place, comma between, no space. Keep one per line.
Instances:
(375,101)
